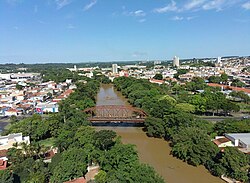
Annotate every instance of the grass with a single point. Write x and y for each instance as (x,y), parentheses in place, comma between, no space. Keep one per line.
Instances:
(7,126)
(244,107)
(47,142)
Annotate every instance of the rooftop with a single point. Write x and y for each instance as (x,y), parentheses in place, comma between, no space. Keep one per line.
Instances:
(220,141)
(244,137)
(11,136)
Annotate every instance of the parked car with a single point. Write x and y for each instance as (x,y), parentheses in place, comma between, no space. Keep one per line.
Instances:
(246,117)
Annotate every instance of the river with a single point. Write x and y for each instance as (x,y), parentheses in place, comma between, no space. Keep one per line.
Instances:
(153,151)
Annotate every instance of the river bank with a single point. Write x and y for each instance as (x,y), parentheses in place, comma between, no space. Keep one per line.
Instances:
(153,151)
(156,152)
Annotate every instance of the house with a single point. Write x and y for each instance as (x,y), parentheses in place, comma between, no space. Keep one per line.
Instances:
(47,107)
(3,164)
(222,142)
(239,140)
(6,142)
(90,175)
(246,90)
(50,154)
(156,81)
(3,159)
(11,112)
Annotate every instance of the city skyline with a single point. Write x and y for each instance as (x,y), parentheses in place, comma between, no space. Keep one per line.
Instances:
(116,30)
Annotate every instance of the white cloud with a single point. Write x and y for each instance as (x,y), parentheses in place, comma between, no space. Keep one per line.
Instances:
(246,5)
(61,3)
(197,5)
(177,18)
(191,4)
(139,13)
(180,18)
(90,5)
(170,7)
(214,4)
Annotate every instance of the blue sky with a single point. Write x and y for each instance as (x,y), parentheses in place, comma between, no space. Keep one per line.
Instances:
(42,31)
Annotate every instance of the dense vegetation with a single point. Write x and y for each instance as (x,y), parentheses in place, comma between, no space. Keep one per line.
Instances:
(170,117)
(78,144)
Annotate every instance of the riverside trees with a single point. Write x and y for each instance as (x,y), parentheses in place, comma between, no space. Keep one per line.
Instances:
(190,137)
(78,144)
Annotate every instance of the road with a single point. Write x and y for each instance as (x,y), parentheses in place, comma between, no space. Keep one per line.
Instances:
(217,118)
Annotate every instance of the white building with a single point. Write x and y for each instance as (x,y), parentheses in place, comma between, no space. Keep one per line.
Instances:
(218,60)
(46,107)
(114,68)
(176,61)
(241,140)
(6,142)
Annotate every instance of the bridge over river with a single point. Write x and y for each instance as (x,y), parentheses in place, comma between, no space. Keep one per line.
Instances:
(115,114)
(153,151)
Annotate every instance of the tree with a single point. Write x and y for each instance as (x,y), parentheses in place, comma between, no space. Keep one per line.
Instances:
(13,119)
(175,121)
(193,146)
(6,176)
(232,126)
(238,83)
(155,127)
(119,157)
(197,83)
(199,102)
(19,87)
(231,163)
(31,170)
(101,177)
(214,79)
(73,165)
(144,173)
(224,77)
(180,72)
(243,96)
(104,139)
(185,107)
(214,101)
(236,163)
(228,106)
(158,76)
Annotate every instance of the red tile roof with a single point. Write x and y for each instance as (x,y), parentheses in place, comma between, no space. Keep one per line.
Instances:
(12,110)
(3,153)
(156,81)
(246,90)
(221,141)
(3,164)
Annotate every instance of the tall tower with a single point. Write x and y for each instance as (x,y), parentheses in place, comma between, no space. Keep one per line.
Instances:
(176,61)
(75,68)
(218,60)
(114,68)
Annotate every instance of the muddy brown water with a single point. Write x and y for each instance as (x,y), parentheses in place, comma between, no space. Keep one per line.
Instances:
(153,151)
